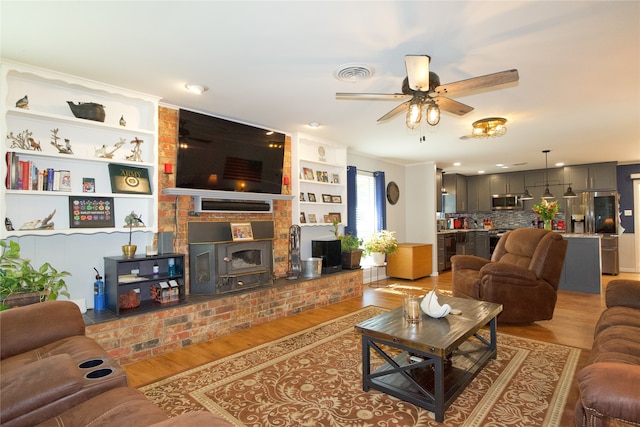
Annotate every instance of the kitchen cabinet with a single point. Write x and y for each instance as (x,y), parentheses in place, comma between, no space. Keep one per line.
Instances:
(455,200)
(593,177)
(320,171)
(439,204)
(507,183)
(479,193)
(124,275)
(77,148)
(482,246)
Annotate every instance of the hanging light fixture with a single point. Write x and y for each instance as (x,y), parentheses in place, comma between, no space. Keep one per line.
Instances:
(526,195)
(547,194)
(489,127)
(569,194)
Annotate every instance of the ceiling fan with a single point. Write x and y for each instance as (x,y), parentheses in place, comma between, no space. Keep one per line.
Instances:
(423,90)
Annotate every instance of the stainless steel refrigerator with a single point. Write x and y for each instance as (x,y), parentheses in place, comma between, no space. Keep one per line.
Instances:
(597,212)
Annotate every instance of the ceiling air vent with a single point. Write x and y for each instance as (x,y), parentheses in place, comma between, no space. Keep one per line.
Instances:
(353,72)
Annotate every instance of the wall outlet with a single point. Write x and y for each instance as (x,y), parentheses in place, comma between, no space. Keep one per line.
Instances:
(628,212)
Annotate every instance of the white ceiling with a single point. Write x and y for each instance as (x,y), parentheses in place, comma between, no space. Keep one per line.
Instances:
(271,64)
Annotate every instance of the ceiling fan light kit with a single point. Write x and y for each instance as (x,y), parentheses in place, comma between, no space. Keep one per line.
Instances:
(489,127)
(422,89)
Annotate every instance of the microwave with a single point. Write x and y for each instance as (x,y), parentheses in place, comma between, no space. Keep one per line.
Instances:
(500,202)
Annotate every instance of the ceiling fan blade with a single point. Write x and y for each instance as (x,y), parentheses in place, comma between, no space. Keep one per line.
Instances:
(481,82)
(418,71)
(382,96)
(395,111)
(452,106)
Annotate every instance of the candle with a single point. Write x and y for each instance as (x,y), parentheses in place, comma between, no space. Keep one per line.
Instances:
(286,180)
(168,168)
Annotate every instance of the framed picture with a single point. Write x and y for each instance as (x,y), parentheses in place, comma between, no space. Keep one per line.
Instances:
(129,179)
(336,199)
(88,185)
(327,219)
(308,174)
(241,231)
(312,218)
(326,198)
(91,212)
(335,178)
(312,197)
(319,176)
(303,219)
(335,216)
(302,197)
(325,176)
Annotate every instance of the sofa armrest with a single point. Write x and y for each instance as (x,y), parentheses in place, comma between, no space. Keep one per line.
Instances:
(510,272)
(33,326)
(470,262)
(37,385)
(625,293)
(610,390)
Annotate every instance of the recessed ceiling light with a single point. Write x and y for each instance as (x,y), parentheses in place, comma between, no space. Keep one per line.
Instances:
(480,172)
(559,164)
(196,88)
(504,167)
(314,125)
(457,164)
(499,165)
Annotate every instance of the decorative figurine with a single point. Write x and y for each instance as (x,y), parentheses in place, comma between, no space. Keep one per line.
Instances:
(23,103)
(123,122)
(23,141)
(136,150)
(38,224)
(66,149)
(102,151)
(8,224)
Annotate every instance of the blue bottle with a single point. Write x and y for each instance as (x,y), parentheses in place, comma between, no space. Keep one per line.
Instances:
(98,293)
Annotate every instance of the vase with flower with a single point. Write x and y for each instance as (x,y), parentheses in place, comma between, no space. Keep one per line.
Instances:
(380,244)
(546,211)
(131,220)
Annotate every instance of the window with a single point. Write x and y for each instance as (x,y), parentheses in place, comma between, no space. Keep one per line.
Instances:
(366,208)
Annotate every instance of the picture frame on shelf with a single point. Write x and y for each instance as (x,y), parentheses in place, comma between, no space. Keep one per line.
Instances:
(335,178)
(303,219)
(241,231)
(302,197)
(313,219)
(129,179)
(327,219)
(88,185)
(335,216)
(326,198)
(336,199)
(312,197)
(308,174)
(91,212)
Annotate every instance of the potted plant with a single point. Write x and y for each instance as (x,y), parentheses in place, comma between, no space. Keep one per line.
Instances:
(131,220)
(22,284)
(349,247)
(547,212)
(380,244)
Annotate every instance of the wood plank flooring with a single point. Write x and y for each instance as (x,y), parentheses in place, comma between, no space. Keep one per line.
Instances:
(573,323)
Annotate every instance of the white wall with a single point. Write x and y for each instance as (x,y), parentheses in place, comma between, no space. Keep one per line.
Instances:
(79,254)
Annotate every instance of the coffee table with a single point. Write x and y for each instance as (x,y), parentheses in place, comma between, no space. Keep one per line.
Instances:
(430,363)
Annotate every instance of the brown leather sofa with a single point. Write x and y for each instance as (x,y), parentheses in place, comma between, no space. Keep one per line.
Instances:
(522,275)
(610,384)
(49,369)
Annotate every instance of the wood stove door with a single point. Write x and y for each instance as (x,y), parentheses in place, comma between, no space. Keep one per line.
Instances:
(202,268)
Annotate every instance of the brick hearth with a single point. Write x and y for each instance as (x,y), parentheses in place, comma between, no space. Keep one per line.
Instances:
(135,338)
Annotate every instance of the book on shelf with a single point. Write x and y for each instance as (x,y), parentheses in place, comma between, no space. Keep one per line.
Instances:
(25,175)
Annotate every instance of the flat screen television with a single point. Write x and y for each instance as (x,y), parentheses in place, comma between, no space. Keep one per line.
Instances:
(218,154)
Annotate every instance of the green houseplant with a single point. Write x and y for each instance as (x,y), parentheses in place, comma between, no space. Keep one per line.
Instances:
(350,249)
(19,279)
(380,244)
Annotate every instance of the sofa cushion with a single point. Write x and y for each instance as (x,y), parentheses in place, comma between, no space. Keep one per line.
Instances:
(36,385)
(617,339)
(616,316)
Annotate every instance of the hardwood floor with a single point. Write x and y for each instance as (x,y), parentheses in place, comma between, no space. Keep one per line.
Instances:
(573,323)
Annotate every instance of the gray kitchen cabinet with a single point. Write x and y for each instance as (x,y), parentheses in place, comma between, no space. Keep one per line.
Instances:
(593,177)
(455,200)
(441,254)
(507,183)
(439,190)
(479,193)
(482,247)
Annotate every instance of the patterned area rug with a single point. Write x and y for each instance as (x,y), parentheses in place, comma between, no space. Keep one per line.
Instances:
(314,378)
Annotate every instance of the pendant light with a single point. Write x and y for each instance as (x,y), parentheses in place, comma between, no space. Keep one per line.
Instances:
(547,194)
(526,195)
(569,194)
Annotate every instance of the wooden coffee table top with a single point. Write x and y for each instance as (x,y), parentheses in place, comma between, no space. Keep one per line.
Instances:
(434,336)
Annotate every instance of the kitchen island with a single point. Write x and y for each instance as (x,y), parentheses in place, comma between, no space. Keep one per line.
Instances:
(581,270)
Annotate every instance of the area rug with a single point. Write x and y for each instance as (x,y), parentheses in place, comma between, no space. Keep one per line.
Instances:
(314,378)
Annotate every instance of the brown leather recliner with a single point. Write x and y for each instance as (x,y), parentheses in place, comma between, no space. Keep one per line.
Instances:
(522,275)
